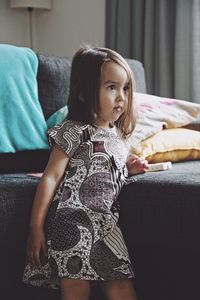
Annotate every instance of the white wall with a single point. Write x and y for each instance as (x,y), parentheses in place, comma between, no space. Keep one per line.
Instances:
(60,31)
(13,25)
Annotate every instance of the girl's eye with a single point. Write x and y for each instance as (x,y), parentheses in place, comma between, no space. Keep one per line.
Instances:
(111,87)
(126,88)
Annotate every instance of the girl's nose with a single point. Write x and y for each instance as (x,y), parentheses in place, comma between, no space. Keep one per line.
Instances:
(121,96)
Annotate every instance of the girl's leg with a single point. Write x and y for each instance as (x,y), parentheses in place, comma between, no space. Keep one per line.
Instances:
(74,289)
(120,289)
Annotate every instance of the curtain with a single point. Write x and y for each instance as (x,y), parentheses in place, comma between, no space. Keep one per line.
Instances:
(165,36)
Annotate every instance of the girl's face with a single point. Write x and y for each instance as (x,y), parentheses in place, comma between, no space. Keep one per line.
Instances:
(114,94)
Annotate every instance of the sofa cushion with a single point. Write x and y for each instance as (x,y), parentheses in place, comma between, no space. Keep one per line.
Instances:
(162,208)
(53,82)
(138,73)
(24,161)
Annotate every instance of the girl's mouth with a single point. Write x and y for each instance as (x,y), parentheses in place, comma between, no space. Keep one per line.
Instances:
(118,108)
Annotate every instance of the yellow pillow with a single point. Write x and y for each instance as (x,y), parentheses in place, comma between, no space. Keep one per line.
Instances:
(171,145)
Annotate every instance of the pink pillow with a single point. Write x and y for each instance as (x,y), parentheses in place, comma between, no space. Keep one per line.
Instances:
(156,113)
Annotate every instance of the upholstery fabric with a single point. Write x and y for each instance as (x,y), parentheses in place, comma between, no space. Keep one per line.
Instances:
(160,223)
(24,161)
(138,73)
(164,207)
(53,82)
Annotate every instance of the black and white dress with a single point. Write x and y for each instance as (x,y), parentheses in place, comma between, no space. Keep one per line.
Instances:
(83,237)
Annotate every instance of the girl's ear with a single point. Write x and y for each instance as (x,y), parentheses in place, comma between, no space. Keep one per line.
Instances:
(95,115)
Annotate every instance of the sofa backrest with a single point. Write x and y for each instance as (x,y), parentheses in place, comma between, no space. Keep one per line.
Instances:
(53,81)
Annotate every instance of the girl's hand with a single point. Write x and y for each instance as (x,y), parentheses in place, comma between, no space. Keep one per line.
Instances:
(36,243)
(136,165)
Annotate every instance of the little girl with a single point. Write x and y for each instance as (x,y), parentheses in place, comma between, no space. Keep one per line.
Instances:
(74,236)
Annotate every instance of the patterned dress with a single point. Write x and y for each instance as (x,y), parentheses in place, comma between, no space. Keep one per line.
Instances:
(83,237)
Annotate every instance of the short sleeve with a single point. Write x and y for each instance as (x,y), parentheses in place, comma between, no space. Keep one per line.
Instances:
(67,135)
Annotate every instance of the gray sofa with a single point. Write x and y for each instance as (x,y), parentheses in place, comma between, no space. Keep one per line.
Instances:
(159,212)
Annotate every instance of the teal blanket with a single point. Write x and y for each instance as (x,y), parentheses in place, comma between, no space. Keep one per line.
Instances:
(22,124)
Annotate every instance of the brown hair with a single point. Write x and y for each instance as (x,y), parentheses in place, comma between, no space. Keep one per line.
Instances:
(83,100)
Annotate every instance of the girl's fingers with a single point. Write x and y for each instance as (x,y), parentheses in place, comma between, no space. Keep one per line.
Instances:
(145,164)
(33,257)
(36,259)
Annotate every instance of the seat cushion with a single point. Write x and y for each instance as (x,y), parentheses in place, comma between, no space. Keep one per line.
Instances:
(162,208)
(24,161)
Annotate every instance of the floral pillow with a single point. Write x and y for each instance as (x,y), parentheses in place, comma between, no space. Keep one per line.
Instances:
(157,113)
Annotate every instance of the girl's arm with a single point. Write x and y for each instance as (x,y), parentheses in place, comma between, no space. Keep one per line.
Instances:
(46,189)
(136,165)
